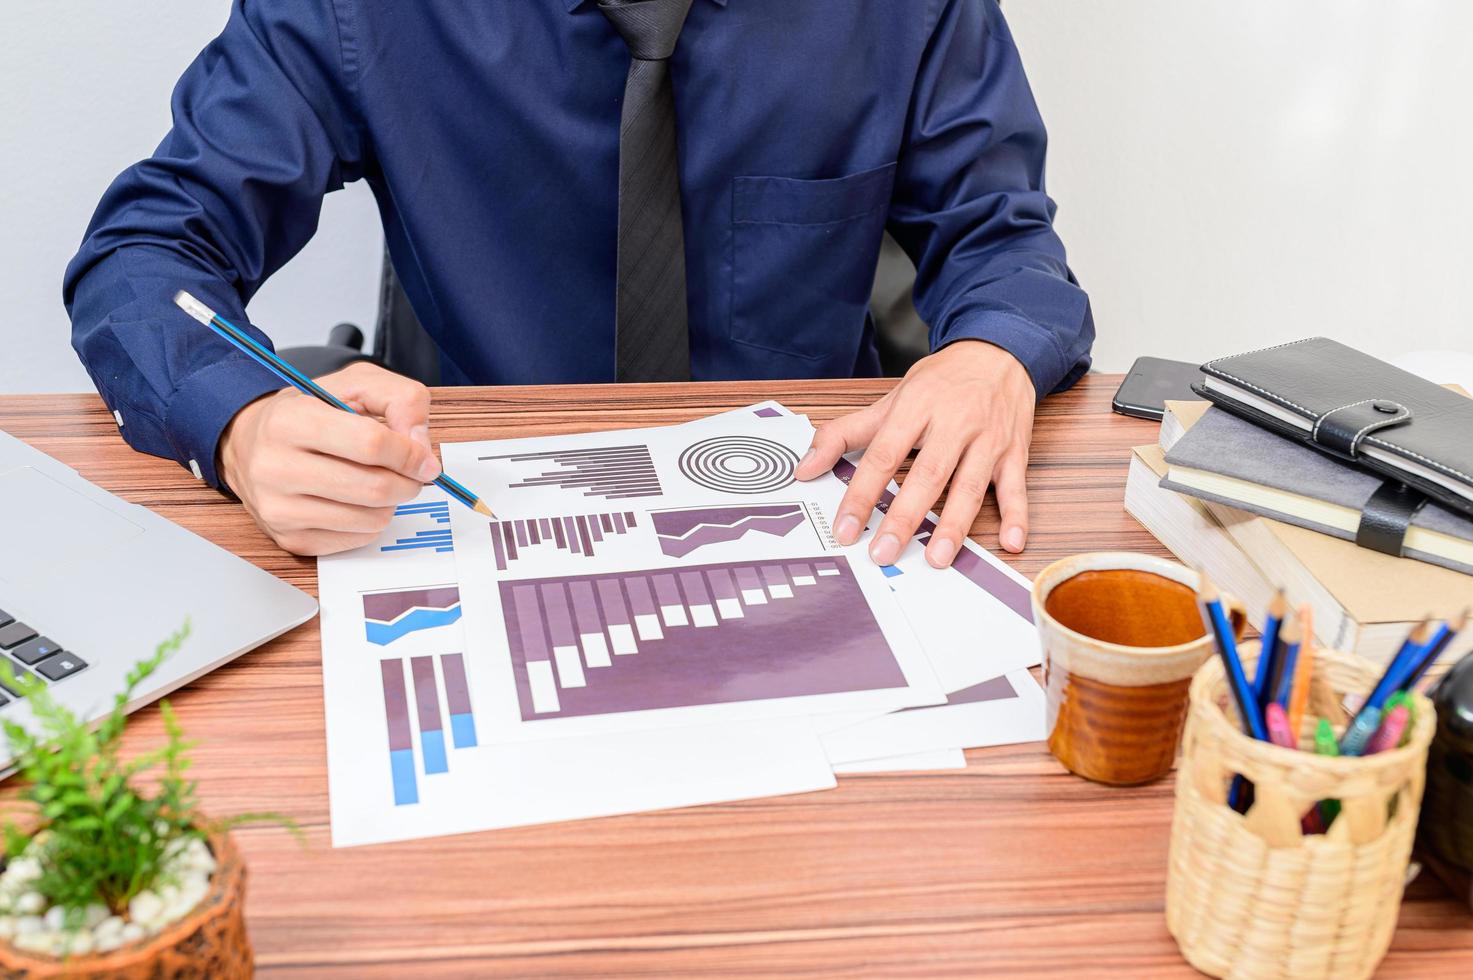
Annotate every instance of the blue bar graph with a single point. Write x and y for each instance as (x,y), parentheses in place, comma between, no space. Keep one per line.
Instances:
(436,512)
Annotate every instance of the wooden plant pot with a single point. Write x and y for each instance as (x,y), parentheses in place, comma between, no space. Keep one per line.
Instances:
(209,942)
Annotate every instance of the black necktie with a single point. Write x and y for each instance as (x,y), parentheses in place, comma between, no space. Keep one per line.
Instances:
(653,339)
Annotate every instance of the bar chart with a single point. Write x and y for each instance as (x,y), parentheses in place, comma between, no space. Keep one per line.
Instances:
(614,473)
(435,513)
(576,535)
(681,532)
(706,634)
(424,719)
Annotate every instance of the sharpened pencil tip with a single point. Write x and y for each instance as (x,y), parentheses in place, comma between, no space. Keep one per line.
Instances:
(1279,604)
(1206,591)
(481,508)
(194,307)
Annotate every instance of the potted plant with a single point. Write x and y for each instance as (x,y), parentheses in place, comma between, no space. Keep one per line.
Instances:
(103,879)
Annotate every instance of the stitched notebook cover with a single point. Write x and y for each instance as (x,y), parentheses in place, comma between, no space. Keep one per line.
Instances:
(1229,446)
(1357,407)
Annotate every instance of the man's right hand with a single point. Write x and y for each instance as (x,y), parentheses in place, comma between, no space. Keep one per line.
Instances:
(319,480)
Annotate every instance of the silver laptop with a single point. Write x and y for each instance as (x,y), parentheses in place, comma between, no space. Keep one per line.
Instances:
(90,584)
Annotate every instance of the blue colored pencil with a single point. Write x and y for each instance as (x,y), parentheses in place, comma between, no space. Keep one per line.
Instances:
(1445,635)
(1266,672)
(1364,724)
(268,360)
(1227,648)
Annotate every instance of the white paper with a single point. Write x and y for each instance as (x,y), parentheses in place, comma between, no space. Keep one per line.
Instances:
(718,577)
(1004,720)
(932,761)
(487,785)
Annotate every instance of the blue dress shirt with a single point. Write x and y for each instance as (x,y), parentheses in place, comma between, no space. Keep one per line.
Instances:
(489,133)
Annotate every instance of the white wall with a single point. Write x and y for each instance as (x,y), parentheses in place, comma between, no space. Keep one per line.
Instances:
(1237,173)
(1230,172)
(84,92)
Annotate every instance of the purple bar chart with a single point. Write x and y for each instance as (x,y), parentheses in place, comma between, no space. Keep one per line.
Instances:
(401,737)
(402,721)
(577,535)
(706,634)
(614,473)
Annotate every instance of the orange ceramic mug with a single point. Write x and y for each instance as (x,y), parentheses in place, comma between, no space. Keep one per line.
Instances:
(1122,636)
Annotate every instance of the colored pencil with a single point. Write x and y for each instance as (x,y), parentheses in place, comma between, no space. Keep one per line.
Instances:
(1268,651)
(1227,648)
(1366,720)
(1324,744)
(268,360)
(1290,638)
(1388,736)
(1440,641)
(1279,731)
(1303,672)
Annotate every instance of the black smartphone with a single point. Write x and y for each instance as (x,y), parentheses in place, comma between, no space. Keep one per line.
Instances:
(1151,383)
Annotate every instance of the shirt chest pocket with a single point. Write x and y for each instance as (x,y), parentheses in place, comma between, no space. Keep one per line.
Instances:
(803,261)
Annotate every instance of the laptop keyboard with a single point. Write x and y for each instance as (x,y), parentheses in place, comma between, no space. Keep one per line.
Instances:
(28,653)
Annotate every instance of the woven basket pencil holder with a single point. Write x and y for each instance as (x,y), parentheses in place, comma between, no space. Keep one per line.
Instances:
(1252,895)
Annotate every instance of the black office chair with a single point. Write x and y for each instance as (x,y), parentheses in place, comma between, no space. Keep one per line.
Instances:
(401,344)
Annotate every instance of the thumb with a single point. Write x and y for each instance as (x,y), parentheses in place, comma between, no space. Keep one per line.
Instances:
(833,439)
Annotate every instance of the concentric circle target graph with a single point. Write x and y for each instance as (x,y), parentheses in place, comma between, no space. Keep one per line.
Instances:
(739,464)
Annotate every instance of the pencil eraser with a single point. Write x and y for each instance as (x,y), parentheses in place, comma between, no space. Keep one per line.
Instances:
(194,307)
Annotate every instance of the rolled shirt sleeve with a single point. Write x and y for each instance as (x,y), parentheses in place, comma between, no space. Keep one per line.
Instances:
(970,208)
(262,129)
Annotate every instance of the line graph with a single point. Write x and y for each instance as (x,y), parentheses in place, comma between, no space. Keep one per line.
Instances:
(391,616)
(614,472)
(681,532)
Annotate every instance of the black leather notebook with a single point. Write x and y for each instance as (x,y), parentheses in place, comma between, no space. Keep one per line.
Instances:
(1355,407)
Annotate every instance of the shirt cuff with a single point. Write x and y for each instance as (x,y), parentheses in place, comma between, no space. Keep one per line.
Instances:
(203,406)
(1033,345)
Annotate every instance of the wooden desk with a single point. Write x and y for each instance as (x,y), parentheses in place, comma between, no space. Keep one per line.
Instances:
(1009,867)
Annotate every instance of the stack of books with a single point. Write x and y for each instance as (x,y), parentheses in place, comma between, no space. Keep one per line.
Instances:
(1258,511)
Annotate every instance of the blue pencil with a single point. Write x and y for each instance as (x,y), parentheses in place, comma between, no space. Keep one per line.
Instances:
(1266,674)
(268,360)
(1445,635)
(1227,648)
(1363,725)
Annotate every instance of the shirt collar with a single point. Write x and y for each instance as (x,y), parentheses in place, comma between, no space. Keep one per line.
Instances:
(573,5)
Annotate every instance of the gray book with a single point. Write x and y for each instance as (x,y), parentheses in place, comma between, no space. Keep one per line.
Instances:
(1225,459)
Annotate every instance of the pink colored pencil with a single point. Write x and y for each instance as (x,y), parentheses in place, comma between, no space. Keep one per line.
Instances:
(1279,731)
(1389,734)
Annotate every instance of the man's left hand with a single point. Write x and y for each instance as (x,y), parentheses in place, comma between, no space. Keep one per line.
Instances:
(968,408)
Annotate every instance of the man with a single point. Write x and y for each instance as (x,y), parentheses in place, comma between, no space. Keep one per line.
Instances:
(589,191)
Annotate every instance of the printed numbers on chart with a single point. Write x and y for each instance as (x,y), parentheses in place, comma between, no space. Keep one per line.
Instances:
(821,521)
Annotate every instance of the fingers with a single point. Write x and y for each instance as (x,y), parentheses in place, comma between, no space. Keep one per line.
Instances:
(403,403)
(1012,499)
(880,461)
(332,478)
(321,429)
(963,501)
(833,439)
(923,485)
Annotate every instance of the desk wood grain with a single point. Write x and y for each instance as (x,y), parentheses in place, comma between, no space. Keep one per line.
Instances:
(1010,867)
